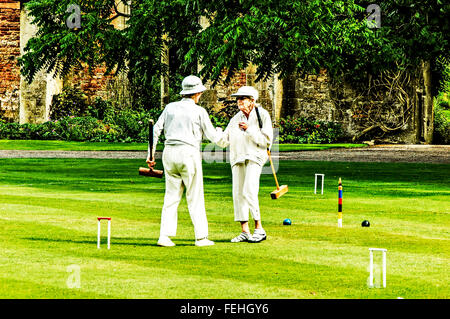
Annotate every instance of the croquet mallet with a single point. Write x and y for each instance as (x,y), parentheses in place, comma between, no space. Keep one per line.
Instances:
(150,171)
(283,189)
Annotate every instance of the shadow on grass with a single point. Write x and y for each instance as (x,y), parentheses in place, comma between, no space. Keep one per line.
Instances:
(126,241)
(115,241)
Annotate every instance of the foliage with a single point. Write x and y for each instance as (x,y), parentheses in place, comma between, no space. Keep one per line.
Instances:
(74,120)
(58,48)
(306,130)
(444,64)
(67,128)
(417,30)
(103,122)
(441,125)
(70,102)
(443,97)
(278,37)
(282,37)
(442,106)
(101,109)
(223,116)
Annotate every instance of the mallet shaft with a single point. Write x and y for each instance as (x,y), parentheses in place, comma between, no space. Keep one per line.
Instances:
(273,169)
(150,139)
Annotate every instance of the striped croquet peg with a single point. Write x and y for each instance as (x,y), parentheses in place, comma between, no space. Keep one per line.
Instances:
(340,203)
(98,231)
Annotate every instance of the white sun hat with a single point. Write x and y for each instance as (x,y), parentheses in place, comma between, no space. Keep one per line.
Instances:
(191,85)
(247,91)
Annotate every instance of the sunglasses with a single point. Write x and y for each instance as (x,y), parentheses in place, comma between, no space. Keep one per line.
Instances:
(242,98)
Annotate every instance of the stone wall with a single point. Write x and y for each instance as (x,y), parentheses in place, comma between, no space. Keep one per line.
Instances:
(316,96)
(34,107)
(9,52)
(308,96)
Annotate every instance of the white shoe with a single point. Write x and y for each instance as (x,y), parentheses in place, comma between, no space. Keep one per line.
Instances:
(242,237)
(204,242)
(165,242)
(258,236)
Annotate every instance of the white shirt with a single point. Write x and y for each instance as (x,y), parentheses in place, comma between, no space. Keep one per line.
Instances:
(252,143)
(184,122)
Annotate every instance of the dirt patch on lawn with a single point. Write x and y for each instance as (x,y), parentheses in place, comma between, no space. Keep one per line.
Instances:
(378,153)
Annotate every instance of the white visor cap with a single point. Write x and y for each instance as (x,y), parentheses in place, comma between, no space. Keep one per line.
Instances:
(247,91)
(191,85)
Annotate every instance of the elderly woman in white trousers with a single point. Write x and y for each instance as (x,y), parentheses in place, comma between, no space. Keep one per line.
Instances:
(184,124)
(248,153)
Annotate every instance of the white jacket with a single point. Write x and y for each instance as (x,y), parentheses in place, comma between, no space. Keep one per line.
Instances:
(184,123)
(251,144)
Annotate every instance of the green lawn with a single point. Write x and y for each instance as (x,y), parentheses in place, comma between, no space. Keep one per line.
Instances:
(106,146)
(48,213)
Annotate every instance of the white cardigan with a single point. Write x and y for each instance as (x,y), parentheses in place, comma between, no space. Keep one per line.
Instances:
(251,144)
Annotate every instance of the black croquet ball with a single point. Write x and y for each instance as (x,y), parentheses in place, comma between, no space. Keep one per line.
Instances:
(287,221)
(365,223)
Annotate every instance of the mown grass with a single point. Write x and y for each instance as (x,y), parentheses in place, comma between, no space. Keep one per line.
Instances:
(109,146)
(48,213)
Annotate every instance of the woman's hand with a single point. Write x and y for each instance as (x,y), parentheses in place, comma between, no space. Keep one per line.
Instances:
(243,126)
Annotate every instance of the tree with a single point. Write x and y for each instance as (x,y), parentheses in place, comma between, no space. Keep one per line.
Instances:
(281,37)
(417,34)
(277,36)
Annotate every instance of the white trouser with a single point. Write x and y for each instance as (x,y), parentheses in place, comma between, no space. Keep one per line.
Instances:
(245,190)
(183,169)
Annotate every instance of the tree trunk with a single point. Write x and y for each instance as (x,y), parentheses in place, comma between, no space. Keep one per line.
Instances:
(428,114)
(165,75)
(418,99)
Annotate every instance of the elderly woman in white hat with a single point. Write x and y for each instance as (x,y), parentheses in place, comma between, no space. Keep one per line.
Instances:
(249,134)
(184,124)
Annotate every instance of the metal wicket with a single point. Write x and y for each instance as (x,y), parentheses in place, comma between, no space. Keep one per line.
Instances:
(315,182)
(371,250)
(99,228)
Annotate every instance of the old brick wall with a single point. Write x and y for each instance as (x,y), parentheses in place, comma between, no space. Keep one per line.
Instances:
(219,96)
(96,83)
(30,102)
(113,87)
(9,52)
(92,84)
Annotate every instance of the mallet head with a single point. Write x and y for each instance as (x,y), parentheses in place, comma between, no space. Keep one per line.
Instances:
(151,172)
(279,192)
